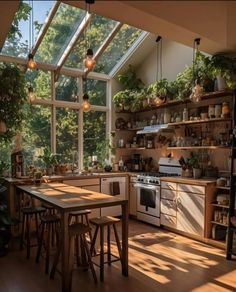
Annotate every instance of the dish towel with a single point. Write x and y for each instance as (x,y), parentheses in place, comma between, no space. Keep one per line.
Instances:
(115,188)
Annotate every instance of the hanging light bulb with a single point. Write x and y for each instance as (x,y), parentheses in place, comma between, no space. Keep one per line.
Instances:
(31,95)
(197,90)
(89,61)
(31,64)
(86,106)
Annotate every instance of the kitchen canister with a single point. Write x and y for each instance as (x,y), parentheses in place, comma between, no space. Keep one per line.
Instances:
(185,114)
(211,111)
(225,110)
(218,110)
(167,117)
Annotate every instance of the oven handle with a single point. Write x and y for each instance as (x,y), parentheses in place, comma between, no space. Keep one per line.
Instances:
(137,185)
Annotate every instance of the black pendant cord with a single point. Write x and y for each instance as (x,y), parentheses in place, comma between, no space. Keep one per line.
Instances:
(158,58)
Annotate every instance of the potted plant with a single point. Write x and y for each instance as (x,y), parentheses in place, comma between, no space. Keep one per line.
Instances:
(129,79)
(49,160)
(193,162)
(158,91)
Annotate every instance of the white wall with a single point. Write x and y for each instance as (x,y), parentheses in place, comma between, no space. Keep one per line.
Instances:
(175,57)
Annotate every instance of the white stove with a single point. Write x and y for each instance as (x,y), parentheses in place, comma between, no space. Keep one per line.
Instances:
(148,190)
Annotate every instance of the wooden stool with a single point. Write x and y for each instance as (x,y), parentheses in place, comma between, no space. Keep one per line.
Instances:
(49,209)
(48,222)
(80,217)
(80,230)
(28,212)
(102,222)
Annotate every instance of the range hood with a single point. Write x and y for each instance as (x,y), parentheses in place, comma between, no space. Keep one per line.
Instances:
(155,129)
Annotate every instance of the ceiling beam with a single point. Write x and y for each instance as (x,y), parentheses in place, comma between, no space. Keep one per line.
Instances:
(45,27)
(85,22)
(8,10)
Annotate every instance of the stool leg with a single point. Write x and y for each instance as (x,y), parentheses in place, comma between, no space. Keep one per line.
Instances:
(28,236)
(22,232)
(40,243)
(90,232)
(48,248)
(92,247)
(71,259)
(108,245)
(101,253)
(117,242)
(89,257)
(76,239)
(56,258)
(37,226)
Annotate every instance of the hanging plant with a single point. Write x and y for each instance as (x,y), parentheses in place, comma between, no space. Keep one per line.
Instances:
(12,98)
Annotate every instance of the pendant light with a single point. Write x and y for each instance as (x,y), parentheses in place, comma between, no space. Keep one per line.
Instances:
(197,90)
(89,61)
(159,99)
(31,64)
(86,106)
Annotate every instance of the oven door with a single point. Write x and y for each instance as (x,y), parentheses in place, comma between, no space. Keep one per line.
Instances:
(148,199)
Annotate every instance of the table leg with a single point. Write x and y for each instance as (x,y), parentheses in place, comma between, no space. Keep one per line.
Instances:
(65,253)
(125,219)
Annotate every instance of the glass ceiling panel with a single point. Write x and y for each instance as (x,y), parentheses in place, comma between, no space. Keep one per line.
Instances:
(17,42)
(117,48)
(93,36)
(61,30)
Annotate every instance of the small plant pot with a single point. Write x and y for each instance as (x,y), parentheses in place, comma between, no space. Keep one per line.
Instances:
(197,172)
(187,172)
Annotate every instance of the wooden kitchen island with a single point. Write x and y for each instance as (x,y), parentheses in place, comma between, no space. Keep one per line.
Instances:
(67,198)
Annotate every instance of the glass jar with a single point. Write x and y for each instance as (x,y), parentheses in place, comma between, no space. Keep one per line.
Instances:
(218,110)
(211,111)
(185,115)
(225,110)
(167,117)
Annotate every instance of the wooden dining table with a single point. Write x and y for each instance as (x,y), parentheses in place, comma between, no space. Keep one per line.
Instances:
(67,198)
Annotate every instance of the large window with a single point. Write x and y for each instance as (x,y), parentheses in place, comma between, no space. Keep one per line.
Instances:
(95,143)
(36,132)
(67,88)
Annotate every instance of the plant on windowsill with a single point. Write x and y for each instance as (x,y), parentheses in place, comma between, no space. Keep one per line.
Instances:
(49,160)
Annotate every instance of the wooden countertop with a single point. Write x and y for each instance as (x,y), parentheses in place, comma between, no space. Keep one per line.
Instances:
(71,177)
(178,179)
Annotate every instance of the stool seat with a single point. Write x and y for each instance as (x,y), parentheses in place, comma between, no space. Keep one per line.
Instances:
(32,210)
(104,221)
(49,207)
(50,219)
(79,213)
(78,228)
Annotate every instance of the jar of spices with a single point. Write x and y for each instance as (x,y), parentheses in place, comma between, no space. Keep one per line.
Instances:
(225,110)
(185,114)
(211,111)
(218,110)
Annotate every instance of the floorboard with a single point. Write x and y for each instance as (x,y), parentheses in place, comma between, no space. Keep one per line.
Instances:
(158,261)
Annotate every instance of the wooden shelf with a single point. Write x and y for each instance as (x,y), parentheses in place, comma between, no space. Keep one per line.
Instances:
(219,205)
(218,223)
(132,148)
(197,147)
(206,96)
(223,188)
(136,129)
(200,121)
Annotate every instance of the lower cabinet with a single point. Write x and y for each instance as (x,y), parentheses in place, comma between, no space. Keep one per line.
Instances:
(132,200)
(183,208)
(191,213)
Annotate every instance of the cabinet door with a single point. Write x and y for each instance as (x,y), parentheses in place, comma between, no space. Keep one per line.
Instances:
(190,213)
(132,200)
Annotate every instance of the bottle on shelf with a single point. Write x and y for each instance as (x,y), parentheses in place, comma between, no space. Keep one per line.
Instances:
(121,164)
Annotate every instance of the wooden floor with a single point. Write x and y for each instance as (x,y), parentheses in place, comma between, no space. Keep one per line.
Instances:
(159,261)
